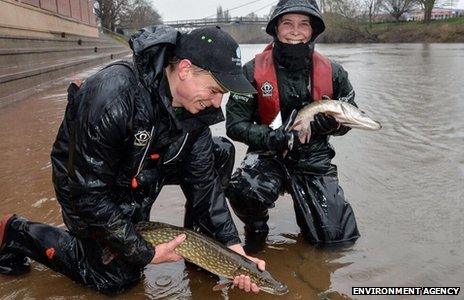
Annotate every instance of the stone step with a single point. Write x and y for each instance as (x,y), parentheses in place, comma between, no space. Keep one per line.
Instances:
(18,85)
(7,41)
(14,58)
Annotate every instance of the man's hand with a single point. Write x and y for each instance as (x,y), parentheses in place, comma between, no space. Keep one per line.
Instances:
(324,124)
(166,252)
(282,139)
(243,282)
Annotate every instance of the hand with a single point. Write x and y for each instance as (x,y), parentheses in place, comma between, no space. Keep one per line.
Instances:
(244,282)
(324,124)
(283,139)
(166,252)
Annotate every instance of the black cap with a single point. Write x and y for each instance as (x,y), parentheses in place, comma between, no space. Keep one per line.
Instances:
(214,50)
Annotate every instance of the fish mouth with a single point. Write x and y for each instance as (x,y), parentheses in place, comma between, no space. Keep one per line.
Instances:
(354,118)
(360,121)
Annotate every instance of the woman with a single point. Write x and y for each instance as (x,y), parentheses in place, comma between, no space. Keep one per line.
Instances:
(289,74)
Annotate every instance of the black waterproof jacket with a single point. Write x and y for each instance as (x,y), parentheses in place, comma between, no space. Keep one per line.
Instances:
(243,121)
(113,125)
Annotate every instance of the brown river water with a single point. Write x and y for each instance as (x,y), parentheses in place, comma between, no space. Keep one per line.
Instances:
(405,183)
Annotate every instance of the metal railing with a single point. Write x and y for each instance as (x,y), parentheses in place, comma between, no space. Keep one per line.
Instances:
(216,21)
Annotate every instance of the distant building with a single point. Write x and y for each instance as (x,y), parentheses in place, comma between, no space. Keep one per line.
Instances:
(437,14)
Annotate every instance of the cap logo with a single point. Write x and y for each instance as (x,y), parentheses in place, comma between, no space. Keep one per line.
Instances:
(237,60)
(209,40)
(267,88)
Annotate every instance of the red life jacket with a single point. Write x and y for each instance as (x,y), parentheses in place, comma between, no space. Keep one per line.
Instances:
(268,91)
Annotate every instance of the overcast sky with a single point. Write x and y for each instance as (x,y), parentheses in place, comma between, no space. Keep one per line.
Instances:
(196,9)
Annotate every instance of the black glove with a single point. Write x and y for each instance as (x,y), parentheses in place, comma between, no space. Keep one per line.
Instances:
(281,139)
(324,124)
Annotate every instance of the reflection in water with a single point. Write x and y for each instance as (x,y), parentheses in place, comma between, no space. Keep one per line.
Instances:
(405,183)
(167,281)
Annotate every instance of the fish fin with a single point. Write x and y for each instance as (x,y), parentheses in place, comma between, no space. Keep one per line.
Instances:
(222,286)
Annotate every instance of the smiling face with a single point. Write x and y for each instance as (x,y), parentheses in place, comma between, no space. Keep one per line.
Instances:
(294,28)
(193,88)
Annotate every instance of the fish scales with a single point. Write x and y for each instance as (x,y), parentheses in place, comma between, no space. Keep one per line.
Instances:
(343,112)
(210,255)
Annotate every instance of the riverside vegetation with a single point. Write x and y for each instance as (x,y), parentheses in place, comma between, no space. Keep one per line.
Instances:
(344,30)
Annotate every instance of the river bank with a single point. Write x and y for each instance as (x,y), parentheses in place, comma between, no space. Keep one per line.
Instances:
(342,30)
(440,31)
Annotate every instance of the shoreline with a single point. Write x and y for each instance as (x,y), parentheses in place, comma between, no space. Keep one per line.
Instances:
(347,31)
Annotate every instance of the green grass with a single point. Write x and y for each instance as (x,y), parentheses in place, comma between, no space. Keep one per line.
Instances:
(387,25)
(459,20)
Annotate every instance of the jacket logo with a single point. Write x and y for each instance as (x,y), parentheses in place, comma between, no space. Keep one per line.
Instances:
(141,138)
(244,98)
(267,88)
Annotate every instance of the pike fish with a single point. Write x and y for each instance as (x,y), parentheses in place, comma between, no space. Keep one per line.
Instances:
(343,112)
(210,255)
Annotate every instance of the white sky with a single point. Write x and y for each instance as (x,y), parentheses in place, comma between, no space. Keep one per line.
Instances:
(196,9)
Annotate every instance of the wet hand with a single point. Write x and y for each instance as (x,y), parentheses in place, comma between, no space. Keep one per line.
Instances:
(244,282)
(166,252)
(324,124)
(283,138)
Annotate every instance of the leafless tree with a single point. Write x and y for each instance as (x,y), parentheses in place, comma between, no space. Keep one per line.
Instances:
(346,8)
(140,13)
(226,15)
(252,16)
(428,6)
(219,13)
(109,12)
(396,8)
(371,8)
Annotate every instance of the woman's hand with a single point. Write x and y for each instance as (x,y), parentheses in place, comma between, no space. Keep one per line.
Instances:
(244,282)
(166,252)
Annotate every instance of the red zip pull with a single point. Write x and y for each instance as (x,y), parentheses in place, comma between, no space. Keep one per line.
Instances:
(134,183)
(154,156)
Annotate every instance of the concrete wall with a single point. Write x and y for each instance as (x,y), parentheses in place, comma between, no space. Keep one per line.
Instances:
(46,18)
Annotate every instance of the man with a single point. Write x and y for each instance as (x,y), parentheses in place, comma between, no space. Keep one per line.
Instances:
(127,131)
(288,75)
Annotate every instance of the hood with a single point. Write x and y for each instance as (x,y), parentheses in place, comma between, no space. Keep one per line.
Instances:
(307,7)
(152,47)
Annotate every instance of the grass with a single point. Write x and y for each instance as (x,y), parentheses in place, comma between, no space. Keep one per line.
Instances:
(386,25)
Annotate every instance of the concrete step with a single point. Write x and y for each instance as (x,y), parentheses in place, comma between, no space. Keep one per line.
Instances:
(11,58)
(21,83)
(7,41)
